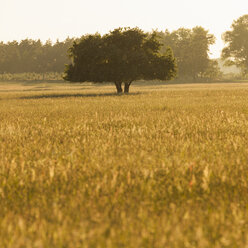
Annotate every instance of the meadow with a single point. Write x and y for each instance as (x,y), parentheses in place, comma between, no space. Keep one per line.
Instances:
(165,166)
(30,77)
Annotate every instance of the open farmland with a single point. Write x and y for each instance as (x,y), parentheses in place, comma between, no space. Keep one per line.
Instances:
(166,166)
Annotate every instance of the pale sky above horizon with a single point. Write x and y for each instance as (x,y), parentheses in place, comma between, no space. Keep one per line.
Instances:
(52,19)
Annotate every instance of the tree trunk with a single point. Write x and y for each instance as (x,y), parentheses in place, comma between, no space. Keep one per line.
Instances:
(118,87)
(126,88)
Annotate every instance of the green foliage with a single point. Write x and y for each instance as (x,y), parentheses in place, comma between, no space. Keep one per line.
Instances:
(31,56)
(85,53)
(236,50)
(190,48)
(122,56)
(212,72)
(80,167)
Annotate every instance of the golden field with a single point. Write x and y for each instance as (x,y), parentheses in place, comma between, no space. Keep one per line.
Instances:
(165,166)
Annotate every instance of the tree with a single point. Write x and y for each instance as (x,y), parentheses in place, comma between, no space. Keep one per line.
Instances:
(122,56)
(236,50)
(190,48)
(29,52)
(212,71)
(33,56)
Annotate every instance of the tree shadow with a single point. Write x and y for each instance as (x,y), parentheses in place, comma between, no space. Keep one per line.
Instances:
(77,95)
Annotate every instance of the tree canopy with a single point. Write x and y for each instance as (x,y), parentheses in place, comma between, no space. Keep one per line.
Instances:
(236,50)
(121,56)
(191,50)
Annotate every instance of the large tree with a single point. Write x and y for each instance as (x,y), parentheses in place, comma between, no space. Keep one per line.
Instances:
(236,50)
(122,56)
(191,50)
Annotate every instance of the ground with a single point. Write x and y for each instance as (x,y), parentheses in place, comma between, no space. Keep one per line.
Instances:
(165,166)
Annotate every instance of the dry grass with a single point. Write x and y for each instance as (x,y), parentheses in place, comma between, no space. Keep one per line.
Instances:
(166,166)
(29,77)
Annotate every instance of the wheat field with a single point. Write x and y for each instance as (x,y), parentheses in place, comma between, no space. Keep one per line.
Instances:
(165,166)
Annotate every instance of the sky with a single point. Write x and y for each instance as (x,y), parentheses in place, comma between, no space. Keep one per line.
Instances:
(58,19)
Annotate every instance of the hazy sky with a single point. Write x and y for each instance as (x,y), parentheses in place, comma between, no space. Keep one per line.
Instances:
(44,19)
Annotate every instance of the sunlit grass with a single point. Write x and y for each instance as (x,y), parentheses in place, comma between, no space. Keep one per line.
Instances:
(10,77)
(166,166)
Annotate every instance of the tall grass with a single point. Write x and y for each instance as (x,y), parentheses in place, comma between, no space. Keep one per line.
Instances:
(20,77)
(166,166)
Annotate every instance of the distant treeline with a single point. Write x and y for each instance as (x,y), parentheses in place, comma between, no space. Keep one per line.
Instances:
(190,48)
(29,56)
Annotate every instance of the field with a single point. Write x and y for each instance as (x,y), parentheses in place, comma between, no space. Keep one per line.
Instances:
(166,166)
